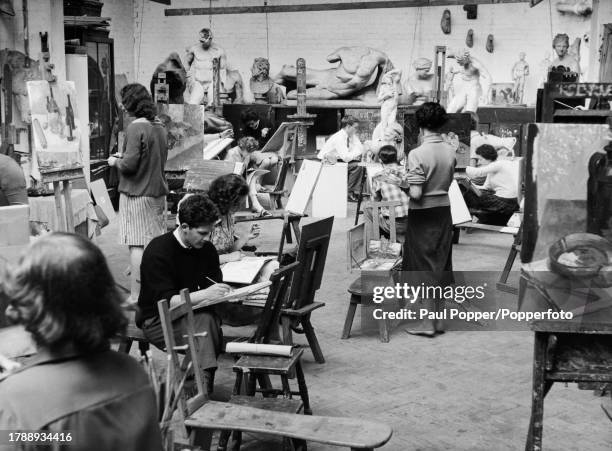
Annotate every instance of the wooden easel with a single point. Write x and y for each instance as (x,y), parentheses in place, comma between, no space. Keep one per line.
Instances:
(65,217)
(439,95)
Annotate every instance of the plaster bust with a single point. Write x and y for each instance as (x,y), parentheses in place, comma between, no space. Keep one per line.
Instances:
(262,85)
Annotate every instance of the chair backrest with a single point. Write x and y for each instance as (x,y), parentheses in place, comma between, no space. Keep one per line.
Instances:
(281,279)
(373,226)
(312,253)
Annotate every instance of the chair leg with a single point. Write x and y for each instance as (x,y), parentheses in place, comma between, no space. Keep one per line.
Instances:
(312,340)
(350,315)
(383,331)
(299,372)
(540,388)
(236,440)
(287,334)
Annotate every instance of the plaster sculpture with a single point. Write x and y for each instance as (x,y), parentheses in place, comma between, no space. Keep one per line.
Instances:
(200,72)
(490,47)
(469,39)
(565,61)
(356,77)
(388,94)
(21,74)
(578,7)
(419,86)
(445,23)
(262,86)
(520,70)
(465,83)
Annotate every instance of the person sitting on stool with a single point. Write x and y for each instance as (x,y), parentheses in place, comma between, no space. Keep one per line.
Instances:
(345,145)
(497,197)
(385,187)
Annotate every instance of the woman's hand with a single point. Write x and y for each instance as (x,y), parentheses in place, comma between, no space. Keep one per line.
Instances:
(216,291)
(112,161)
(8,365)
(233,256)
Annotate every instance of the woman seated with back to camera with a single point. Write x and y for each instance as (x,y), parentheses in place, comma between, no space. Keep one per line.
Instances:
(63,293)
(497,197)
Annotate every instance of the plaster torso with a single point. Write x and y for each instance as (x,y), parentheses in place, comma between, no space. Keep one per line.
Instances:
(421,87)
(202,65)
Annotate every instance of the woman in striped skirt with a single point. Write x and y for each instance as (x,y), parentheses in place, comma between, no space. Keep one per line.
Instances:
(142,181)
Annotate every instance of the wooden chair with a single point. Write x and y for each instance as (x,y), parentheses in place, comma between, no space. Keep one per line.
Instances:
(275,195)
(362,288)
(133,334)
(312,253)
(273,416)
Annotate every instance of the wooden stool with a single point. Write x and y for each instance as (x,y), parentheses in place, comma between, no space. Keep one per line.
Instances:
(358,294)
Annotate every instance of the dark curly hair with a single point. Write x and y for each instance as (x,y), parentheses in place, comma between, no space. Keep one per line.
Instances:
(137,101)
(227,192)
(348,120)
(63,292)
(431,116)
(487,151)
(387,154)
(249,115)
(197,210)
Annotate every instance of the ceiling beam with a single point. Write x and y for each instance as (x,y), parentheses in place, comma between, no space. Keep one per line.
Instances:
(308,7)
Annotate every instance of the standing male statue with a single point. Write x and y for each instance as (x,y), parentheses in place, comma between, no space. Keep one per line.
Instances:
(465,83)
(520,70)
(200,71)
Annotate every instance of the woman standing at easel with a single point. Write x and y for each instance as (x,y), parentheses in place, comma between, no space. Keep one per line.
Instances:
(427,253)
(142,181)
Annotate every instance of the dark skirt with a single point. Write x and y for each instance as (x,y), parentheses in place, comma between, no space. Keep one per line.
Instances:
(429,244)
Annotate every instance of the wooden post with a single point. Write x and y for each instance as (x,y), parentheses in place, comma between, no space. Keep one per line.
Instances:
(216,85)
(439,75)
(301,114)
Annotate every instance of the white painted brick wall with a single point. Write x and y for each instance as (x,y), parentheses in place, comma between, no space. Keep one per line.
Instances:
(121,13)
(403,33)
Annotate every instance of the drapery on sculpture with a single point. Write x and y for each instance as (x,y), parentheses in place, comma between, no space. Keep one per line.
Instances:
(357,75)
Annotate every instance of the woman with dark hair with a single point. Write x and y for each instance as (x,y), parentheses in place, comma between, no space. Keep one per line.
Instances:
(228,192)
(427,254)
(252,125)
(142,181)
(64,295)
(497,197)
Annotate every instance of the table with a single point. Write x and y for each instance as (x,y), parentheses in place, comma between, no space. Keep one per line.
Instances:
(577,350)
(42,210)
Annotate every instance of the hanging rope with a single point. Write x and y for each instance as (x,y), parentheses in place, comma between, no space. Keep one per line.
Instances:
(550,19)
(417,26)
(267,31)
(140,38)
(210,14)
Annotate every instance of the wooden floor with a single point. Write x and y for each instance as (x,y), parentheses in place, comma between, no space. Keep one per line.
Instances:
(460,391)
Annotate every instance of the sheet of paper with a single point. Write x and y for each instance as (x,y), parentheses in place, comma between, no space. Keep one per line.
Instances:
(331,191)
(459,210)
(255,348)
(244,270)
(237,294)
(214,148)
(303,187)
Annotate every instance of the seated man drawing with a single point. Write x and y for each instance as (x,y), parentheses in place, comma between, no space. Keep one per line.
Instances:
(497,196)
(260,129)
(385,187)
(185,258)
(345,145)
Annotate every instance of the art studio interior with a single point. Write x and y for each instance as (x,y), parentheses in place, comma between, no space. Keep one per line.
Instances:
(305,225)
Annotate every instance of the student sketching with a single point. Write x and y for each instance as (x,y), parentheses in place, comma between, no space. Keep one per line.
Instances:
(385,188)
(345,145)
(185,258)
(63,293)
(248,154)
(498,195)
(427,253)
(253,125)
(228,193)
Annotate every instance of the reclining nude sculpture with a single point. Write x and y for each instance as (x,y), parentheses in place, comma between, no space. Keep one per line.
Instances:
(359,68)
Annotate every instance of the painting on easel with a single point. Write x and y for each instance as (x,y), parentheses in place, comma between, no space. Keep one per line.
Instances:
(55,124)
(185,125)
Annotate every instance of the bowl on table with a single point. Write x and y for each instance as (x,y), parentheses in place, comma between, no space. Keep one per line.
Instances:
(582,256)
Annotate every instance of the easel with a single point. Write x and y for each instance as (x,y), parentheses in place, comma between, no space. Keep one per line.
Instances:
(304,119)
(439,95)
(65,217)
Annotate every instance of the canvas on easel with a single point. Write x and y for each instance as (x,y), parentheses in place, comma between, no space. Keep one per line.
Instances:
(305,183)
(279,141)
(102,199)
(329,197)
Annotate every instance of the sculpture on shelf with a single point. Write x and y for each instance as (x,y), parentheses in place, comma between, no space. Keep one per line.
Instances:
(445,23)
(262,86)
(21,73)
(176,77)
(469,39)
(520,70)
(389,91)
(578,7)
(200,72)
(465,83)
(565,62)
(419,86)
(490,46)
(356,77)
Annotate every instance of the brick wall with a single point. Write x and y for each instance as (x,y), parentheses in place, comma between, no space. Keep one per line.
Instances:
(121,13)
(403,33)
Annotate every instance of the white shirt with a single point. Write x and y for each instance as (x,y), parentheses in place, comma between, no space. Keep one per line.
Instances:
(340,146)
(502,177)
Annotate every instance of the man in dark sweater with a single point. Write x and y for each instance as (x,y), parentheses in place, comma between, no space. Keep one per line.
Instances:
(181,259)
